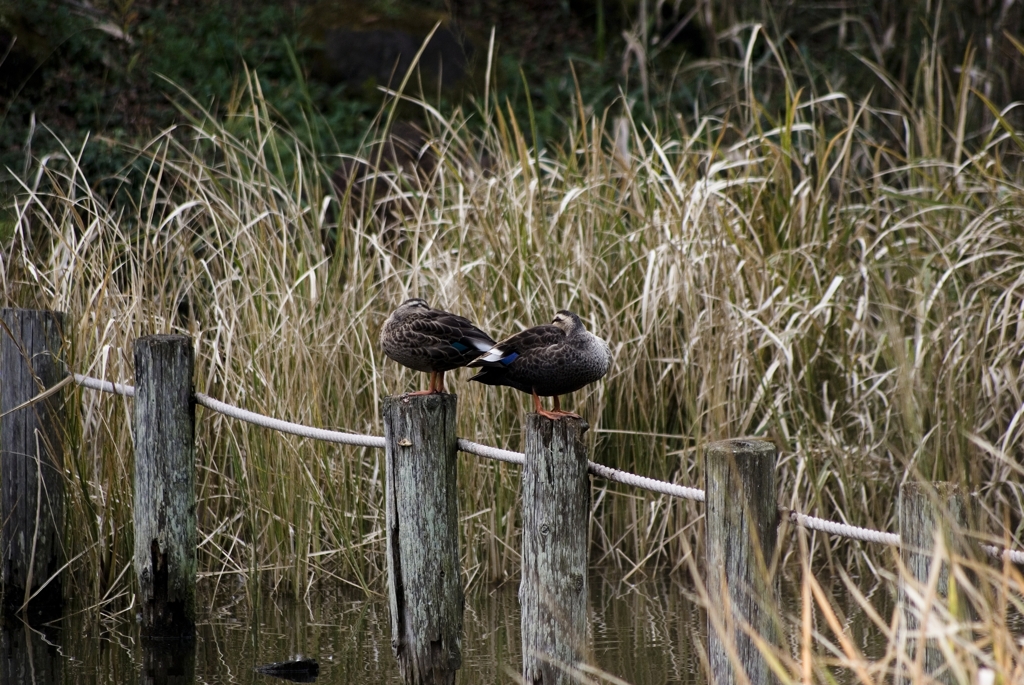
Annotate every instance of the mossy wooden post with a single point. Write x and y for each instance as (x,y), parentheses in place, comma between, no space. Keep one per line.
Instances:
(927,512)
(556,512)
(742,519)
(31,460)
(165,500)
(422,520)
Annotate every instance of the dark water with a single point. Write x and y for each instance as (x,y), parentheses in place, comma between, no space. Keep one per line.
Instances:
(644,633)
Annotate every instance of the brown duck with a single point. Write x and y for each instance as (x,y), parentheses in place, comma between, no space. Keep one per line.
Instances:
(431,340)
(547,361)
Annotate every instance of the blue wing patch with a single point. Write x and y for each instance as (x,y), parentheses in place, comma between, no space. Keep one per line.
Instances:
(459,346)
(509,359)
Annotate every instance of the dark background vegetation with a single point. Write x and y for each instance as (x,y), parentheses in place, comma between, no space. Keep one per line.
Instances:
(112,69)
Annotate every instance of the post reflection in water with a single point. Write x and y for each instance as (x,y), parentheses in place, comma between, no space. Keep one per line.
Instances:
(28,655)
(170,661)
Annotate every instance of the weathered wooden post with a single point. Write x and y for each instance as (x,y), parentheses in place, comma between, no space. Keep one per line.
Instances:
(165,500)
(928,513)
(556,512)
(422,519)
(742,518)
(31,460)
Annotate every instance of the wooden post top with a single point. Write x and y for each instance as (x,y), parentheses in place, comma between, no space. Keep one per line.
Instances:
(409,398)
(53,312)
(756,446)
(535,420)
(943,491)
(157,338)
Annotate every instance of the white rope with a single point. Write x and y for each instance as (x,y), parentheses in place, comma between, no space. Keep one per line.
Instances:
(491,452)
(488,452)
(600,470)
(1012,555)
(843,529)
(645,483)
(104,386)
(868,535)
(289,427)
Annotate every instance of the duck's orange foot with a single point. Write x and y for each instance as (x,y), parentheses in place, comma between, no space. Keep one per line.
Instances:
(420,393)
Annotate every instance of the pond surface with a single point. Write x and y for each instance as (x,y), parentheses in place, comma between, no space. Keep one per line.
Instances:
(650,632)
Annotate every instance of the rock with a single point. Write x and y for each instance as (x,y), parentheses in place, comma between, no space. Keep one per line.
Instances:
(405,152)
(407,161)
(358,56)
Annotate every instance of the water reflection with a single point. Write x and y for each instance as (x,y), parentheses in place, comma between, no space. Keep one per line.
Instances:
(645,633)
(29,655)
(168,661)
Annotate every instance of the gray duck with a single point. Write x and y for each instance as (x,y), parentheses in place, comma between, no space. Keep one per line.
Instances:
(547,361)
(431,340)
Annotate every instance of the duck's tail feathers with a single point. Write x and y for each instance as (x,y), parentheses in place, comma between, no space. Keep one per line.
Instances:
(496,356)
(480,342)
(490,375)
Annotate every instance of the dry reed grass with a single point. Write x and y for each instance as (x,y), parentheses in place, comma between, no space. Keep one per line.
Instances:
(846,281)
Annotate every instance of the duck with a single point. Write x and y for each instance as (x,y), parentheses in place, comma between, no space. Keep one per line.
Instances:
(432,341)
(549,360)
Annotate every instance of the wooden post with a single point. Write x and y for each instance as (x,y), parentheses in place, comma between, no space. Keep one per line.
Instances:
(927,512)
(742,518)
(422,510)
(556,511)
(165,500)
(31,460)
